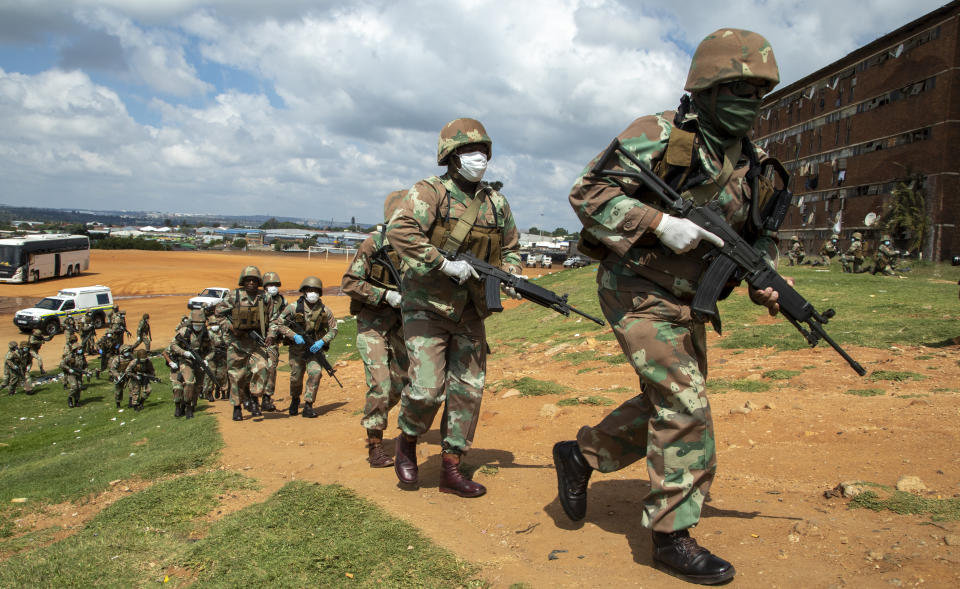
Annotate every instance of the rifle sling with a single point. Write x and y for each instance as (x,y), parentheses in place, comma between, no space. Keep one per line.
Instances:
(459,234)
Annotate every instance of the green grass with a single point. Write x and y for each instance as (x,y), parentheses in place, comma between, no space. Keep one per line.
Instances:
(781,374)
(591,400)
(895,375)
(866,392)
(908,503)
(723,385)
(530,387)
(51,453)
(344,346)
(578,358)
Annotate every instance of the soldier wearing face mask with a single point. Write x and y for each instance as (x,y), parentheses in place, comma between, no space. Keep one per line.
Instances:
(187,350)
(442,305)
(275,303)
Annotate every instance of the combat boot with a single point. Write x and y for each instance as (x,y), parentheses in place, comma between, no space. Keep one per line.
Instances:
(138,406)
(70,402)
(188,411)
(130,403)
(209,397)
(237,413)
(118,403)
(267,404)
(375,454)
(453,481)
(255,407)
(294,405)
(405,464)
(178,409)
(308,410)
(573,474)
(679,555)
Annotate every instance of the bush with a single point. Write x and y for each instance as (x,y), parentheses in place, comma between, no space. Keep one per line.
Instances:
(127,243)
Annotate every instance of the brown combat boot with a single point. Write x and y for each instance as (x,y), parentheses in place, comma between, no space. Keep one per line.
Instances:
(453,481)
(375,454)
(406,463)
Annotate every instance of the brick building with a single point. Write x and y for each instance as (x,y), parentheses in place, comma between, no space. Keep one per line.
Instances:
(850,130)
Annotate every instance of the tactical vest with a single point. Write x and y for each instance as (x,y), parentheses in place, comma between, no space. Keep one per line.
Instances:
(482,241)
(313,322)
(248,317)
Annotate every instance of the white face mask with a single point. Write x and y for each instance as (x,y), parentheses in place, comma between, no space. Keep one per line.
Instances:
(472,165)
(272,290)
(312,297)
(197,327)
(214,328)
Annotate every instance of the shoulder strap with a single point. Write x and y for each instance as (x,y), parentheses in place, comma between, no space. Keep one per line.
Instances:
(706,192)
(464,224)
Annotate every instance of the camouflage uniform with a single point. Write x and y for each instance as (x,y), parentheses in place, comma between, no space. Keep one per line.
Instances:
(645,288)
(15,372)
(274,305)
(314,321)
(88,335)
(188,348)
(852,260)
(117,366)
(379,333)
(143,333)
(118,325)
(140,373)
(240,314)
(796,253)
(36,342)
(217,360)
(828,251)
(69,325)
(73,364)
(443,327)
(886,258)
(69,341)
(107,347)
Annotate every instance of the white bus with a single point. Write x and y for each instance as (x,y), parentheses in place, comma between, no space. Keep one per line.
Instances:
(33,257)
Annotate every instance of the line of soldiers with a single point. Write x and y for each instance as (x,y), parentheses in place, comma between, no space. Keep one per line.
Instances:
(852,260)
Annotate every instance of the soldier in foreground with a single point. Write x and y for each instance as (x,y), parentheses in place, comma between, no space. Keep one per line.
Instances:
(73,366)
(442,305)
(243,314)
(118,367)
(218,387)
(275,303)
(139,374)
(375,301)
(886,258)
(852,260)
(311,326)
(651,265)
(143,333)
(15,372)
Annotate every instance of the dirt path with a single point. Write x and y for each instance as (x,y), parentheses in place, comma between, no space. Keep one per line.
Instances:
(767,512)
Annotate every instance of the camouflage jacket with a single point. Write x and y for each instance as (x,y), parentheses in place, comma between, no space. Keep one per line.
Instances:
(797,249)
(886,254)
(224,309)
(828,248)
(855,249)
(143,328)
(118,364)
(357,283)
(625,224)
(141,366)
(186,336)
(311,321)
(11,362)
(73,363)
(424,287)
(273,306)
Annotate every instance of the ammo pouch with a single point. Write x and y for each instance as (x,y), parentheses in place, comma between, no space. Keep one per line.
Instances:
(247,317)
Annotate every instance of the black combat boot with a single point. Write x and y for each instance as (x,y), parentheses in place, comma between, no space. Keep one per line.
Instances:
(308,410)
(679,555)
(209,397)
(405,465)
(267,404)
(70,402)
(138,406)
(178,409)
(255,407)
(237,413)
(130,403)
(118,403)
(573,474)
(294,405)
(453,481)
(188,411)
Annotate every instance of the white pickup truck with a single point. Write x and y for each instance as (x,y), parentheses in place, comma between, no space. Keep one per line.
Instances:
(49,313)
(208,296)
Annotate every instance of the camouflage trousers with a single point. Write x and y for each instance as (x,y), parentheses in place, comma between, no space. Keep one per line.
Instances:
(118,390)
(246,369)
(218,367)
(852,264)
(186,383)
(74,384)
(385,365)
(448,362)
(669,423)
(139,392)
(273,360)
(14,380)
(142,340)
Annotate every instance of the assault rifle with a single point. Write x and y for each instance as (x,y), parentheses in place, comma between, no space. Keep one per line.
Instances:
(143,377)
(382,257)
(321,357)
(736,260)
(492,277)
(200,361)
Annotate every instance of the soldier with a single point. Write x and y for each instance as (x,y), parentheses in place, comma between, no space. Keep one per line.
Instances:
(886,258)
(829,250)
(15,373)
(852,260)
(73,366)
(69,325)
(118,325)
(143,332)
(275,303)
(107,347)
(243,314)
(69,341)
(139,374)
(308,319)
(36,342)
(216,359)
(652,263)
(443,318)
(117,367)
(796,253)
(185,355)
(88,334)
(375,301)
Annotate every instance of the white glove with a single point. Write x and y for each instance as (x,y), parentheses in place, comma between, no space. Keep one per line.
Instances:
(458,270)
(510,291)
(393,298)
(172,365)
(682,235)
(188,355)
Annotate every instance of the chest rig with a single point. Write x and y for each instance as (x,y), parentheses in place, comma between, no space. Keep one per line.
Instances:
(247,317)
(313,322)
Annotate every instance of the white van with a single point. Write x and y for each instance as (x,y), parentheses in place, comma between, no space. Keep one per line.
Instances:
(532,260)
(49,313)
(546,261)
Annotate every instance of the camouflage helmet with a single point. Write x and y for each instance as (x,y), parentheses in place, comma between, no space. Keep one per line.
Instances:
(141,354)
(857,235)
(12,345)
(795,238)
(311,282)
(197,316)
(391,203)
(271,278)
(250,272)
(886,238)
(24,344)
(727,55)
(36,332)
(146,315)
(126,349)
(460,132)
(834,237)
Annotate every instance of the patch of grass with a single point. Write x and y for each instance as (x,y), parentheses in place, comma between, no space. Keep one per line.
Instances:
(914,396)
(310,535)
(865,392)
(588,369)
(908,503)
(723,385)
(344,346)
(489,469)
(619,389)
(591,400)
(781,374)
(51,453)
(531,387)
(944,390)
(924,357)
(579,357)
(895,375)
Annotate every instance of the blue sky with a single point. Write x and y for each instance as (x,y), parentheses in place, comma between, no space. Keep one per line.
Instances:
(319,109)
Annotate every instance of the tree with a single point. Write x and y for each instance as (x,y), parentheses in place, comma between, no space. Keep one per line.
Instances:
(559,232)
(240,243)
(906,213)
(533,230)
